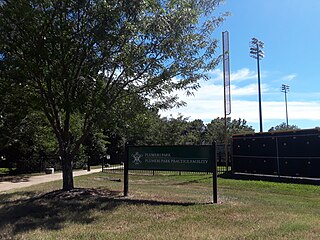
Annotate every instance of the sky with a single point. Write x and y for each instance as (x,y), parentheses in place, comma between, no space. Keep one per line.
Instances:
(290,32)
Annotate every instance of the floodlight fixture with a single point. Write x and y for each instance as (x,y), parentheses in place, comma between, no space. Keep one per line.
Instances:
(285,88)
(256,47)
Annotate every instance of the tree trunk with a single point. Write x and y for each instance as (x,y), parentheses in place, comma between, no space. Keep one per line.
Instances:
(67,172)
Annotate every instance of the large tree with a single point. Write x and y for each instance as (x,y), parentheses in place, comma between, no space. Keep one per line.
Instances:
(77,59)
(283,127)
(216,129)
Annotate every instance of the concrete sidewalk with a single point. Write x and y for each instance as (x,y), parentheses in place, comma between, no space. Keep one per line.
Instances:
(33,180)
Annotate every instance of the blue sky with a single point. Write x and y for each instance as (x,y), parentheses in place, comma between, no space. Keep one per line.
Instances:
(290,31)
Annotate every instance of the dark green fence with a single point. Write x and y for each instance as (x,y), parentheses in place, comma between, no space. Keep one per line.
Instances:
(290,153)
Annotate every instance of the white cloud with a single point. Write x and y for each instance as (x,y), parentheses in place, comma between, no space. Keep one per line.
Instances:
(209,92)
(239,75)
(289,77)
(206,92)
(243,74)
(207,102)
(248,90)
(216,75)
(249,110)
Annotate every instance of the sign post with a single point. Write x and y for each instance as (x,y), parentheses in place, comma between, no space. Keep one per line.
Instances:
(126,172)
(215,180)
(201,158)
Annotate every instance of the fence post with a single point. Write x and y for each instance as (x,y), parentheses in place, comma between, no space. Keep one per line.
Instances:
(214,175)
(126,172)
(277,153)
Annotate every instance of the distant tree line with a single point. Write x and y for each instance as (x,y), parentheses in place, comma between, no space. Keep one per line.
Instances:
(25,135)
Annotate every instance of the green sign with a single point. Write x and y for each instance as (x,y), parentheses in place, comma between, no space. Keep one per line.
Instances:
(172,158)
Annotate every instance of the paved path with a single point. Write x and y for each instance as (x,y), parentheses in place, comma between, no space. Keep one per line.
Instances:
(33,180)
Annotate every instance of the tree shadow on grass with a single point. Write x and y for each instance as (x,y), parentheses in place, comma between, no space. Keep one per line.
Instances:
(52,210)
(152,202)
(6,198)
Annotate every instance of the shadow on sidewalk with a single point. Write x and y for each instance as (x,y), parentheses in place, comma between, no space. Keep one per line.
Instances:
(15,178)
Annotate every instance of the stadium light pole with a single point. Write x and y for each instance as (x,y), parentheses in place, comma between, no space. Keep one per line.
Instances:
(285,90)
(256,52)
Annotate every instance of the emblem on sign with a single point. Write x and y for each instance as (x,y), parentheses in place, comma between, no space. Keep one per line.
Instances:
(136,158)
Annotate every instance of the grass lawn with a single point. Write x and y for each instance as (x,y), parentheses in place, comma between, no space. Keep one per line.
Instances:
(161,207)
